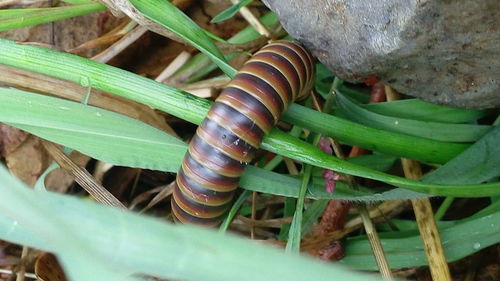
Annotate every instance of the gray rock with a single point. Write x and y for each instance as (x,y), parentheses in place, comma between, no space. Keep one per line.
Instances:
(445,52)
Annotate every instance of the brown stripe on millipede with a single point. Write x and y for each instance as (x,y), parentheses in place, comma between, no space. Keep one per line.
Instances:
(239,124)
(249,106)
(187,203)
(224,140)
(306,57)
(293,58)
(206,177)
(199,193)
(284,66)
(183,217)
(234,127)
(217,162)
(261,91)
(273,77)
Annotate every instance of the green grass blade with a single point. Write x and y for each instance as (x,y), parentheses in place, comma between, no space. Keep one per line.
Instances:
(121,140)
(170,17)
(192,109)
(15,18)
(379,162)
(391,143)
(23,207)
(131,243)
(295,232)
(93,131)
(201,64)
(230,12)
(430,130)
(300,150)
(425,111)
(479,163)
(458,241)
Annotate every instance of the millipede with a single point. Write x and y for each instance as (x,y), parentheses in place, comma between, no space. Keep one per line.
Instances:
(226,141)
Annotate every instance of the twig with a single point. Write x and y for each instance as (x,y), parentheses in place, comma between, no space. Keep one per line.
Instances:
(106,39)
(385,209)
(425,217)
(120,45)
(253,20)
(177,63)
(82,177)
(8,271)
(22,268)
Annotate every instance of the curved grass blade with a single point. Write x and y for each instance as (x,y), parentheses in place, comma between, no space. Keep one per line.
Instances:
(118,237)
(479,163)
(230,12)
(167,15)
(193,109)
(425,111)
(302,151)
(15,18)
(106,136)
(458,241)
(396,144)
(200,65)
(121,140)
(430,130)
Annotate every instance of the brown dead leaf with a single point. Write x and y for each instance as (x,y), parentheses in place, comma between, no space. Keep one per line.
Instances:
(47,268)
(28,161)
(10,139)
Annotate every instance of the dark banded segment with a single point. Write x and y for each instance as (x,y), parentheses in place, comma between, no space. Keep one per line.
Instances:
(248,106)
(206,177)
(293,58)
(225,141)
(214,159)
(234,127)
(239,124)
(200,194)
(285,67)
(182,216)
(270,75)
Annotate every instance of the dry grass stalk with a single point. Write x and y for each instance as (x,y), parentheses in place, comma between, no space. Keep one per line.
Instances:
(425,217)
(83,177)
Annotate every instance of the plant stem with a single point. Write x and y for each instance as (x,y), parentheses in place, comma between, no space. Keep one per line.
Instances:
(425,217)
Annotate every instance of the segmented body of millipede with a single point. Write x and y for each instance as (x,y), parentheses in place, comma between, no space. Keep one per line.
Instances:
(246,110)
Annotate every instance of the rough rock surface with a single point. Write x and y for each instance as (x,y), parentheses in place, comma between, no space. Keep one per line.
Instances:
(445,51)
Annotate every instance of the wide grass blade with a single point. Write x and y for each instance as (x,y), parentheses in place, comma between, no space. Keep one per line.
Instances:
(124,141)
(93,131)
(124,242)
(15,18)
